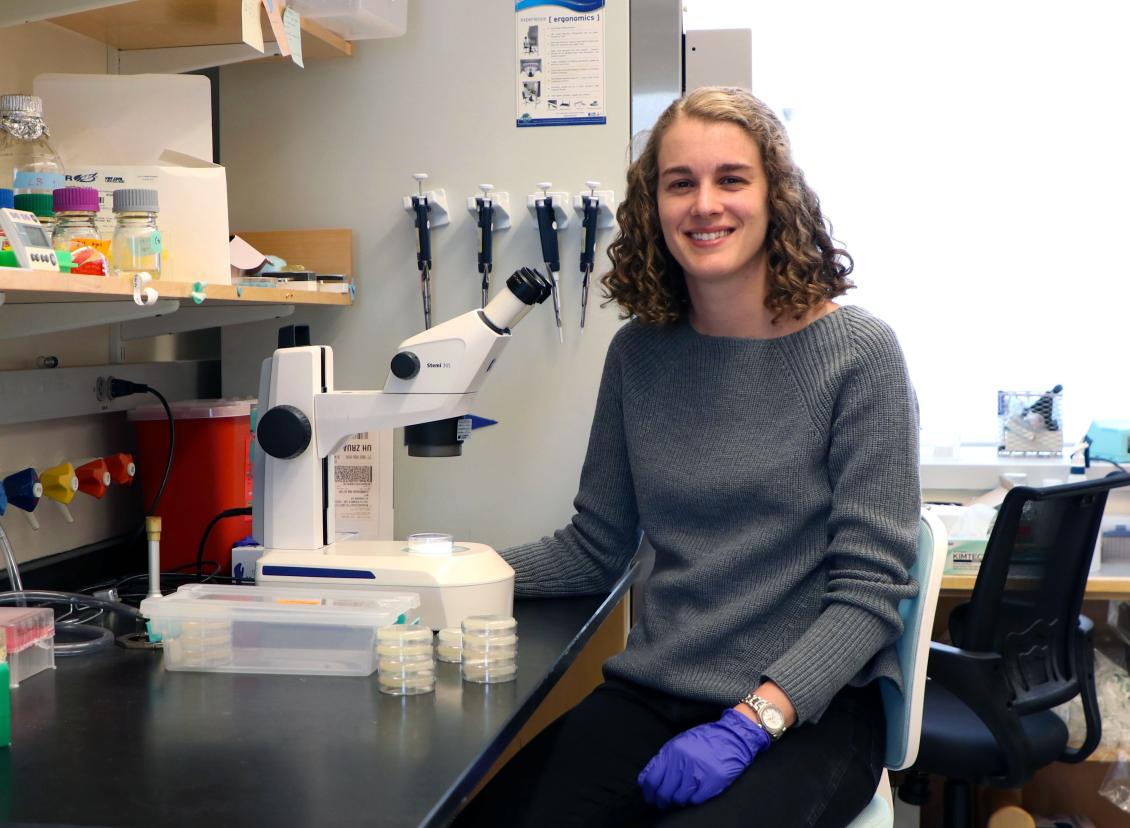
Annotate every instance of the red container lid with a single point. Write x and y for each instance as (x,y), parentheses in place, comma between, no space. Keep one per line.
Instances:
(194,410)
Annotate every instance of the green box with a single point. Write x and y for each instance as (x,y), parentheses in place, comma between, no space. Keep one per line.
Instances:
(5,707)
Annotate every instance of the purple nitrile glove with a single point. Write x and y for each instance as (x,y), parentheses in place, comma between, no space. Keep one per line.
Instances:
(700,763)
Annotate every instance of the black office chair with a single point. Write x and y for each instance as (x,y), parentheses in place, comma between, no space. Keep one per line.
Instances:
(1020,647)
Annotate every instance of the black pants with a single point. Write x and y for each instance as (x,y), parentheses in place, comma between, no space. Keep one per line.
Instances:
(582,769)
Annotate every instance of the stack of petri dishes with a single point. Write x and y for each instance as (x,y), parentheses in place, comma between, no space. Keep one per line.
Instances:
(200,645)
(449,644)
(405,665)
(490,649)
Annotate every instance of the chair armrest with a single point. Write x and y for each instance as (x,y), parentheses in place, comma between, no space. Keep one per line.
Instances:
(1088,693)
(974,677)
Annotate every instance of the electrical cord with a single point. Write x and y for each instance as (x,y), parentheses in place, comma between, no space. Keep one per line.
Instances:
(48,596)
(10,562)
(1108,460)
(124,388)
(227,513)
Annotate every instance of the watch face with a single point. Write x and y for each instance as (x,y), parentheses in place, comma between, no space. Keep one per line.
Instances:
(773,718)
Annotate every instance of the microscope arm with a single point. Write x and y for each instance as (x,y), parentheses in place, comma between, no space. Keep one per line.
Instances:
(434,376)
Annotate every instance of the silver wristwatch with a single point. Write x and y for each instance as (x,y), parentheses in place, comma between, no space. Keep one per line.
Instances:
(769,716)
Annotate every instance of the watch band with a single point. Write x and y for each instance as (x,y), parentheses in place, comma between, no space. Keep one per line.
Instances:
(769,716)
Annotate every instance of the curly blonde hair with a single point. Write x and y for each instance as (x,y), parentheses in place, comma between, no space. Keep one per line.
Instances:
(805,266)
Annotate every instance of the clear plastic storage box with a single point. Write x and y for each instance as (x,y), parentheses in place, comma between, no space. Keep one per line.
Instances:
(357,19)
(259,629)
(29,637)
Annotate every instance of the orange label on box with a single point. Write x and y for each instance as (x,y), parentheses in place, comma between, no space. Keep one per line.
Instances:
(89,257)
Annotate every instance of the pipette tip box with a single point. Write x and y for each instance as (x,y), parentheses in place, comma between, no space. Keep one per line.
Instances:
(282,630)
(29,639)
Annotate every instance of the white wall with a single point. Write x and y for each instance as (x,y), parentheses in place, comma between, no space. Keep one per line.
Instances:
(335,145)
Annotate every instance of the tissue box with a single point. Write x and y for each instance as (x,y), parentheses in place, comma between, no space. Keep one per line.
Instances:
(963,555)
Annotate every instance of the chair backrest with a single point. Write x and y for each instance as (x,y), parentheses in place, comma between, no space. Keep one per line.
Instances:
(1029,589)
(903,709)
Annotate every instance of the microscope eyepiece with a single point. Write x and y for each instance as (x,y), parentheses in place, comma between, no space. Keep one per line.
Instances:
(524,289)
(529,286)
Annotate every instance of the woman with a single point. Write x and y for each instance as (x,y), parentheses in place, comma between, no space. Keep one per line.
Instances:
(765,440)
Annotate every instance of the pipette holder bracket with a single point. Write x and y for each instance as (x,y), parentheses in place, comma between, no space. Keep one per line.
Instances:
(439,215)
(501,218)
(606,216)
(560,200)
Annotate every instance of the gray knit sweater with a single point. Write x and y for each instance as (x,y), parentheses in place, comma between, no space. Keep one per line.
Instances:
(777,480)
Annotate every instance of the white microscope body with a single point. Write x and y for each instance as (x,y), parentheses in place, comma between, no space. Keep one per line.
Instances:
(304,420)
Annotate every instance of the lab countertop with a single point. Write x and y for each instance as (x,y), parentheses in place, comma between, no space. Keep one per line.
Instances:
(114,739)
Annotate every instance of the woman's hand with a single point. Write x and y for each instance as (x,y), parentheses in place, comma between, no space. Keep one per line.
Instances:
(700,763)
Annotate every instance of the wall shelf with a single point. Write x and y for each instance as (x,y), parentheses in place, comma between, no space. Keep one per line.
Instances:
(170,35)
(36,287)
(34,302)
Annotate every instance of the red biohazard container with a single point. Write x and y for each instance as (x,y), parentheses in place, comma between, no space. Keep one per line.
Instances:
(211,473)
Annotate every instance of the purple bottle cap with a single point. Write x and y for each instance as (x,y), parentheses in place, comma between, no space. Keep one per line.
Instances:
(73,199)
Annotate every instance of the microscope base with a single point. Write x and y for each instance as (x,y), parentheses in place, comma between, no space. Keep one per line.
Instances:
(472,579)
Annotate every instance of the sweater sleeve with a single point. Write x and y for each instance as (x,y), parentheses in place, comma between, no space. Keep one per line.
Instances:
(872,526)
(590,553)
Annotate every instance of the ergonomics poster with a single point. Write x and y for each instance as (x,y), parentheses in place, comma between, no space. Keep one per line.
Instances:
(559,62)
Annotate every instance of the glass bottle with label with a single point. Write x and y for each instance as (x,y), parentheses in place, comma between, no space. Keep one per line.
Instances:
(42,206)
(77,232)
(28,164)
(136,247)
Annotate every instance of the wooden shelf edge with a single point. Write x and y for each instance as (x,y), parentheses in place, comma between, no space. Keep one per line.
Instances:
(27,286)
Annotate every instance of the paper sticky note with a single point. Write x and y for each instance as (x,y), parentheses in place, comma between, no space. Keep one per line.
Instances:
(274,15)
(252,28)
(292,22)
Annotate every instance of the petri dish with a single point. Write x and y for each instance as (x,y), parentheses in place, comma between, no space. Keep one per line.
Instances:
(402,634)
(430,543)
(489,672)
(489,625)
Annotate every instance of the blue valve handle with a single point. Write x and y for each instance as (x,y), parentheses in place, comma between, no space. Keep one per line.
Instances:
(547,229)
(20,489)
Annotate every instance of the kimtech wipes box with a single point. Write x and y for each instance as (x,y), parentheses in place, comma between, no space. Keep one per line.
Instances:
(152,131)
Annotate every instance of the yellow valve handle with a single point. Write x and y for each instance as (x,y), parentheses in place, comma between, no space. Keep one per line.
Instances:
(59,483)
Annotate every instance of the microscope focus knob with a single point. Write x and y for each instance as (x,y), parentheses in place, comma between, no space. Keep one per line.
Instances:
(405,365)
(283,432)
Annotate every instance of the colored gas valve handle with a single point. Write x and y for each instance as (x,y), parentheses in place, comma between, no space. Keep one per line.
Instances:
(121,468)
(93,478)
(23,489)
(59,483)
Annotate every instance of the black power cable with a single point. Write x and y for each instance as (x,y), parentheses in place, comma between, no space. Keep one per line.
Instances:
(123,388)
(227,513)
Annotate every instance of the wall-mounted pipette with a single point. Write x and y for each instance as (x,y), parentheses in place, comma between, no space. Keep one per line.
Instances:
(549,221)
(420,209)
(492,212)
(595,208)
(486,227)
(591,206)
